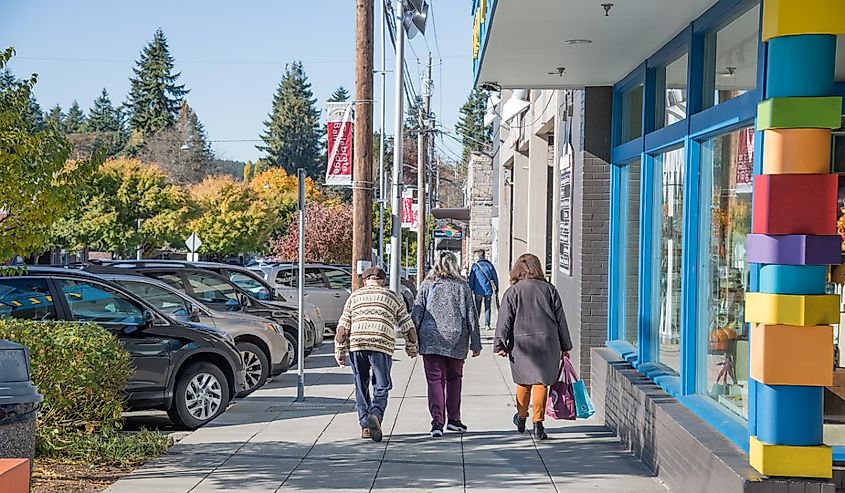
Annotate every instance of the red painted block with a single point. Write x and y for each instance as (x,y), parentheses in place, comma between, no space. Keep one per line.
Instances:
(14,475)
(795,204)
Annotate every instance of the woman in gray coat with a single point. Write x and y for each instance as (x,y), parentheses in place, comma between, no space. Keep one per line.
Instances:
(532,333)
(447,328)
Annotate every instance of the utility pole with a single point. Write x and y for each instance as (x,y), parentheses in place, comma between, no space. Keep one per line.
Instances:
(382,106)
(396,220)
(422,170)
(362,184)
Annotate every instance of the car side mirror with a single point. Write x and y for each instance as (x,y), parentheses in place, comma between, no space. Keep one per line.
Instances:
(147,320)
(243,301)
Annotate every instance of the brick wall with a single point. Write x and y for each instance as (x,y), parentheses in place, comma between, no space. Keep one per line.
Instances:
(480,191)
(686,453)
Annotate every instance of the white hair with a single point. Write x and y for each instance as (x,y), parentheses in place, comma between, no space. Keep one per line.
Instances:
(445,266)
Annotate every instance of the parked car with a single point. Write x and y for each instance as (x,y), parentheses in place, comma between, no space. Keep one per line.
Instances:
(221,294)
(190,370)
(262,343)
(409,287)
(255,283)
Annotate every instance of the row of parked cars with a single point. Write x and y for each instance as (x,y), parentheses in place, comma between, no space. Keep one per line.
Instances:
(199,333)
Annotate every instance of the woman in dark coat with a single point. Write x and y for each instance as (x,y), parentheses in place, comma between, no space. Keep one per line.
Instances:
(532,333)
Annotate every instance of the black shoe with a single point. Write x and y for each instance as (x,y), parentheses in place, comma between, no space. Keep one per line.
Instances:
(519,423)
(456,425)
(540,431)
(436,429)
(374,424)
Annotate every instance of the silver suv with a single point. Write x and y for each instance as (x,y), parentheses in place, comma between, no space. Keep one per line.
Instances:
(262,344)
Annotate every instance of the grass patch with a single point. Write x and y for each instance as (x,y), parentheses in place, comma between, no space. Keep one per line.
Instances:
(107,448)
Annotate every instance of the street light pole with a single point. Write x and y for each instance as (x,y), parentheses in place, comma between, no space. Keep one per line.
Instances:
(396,222)
(300,345)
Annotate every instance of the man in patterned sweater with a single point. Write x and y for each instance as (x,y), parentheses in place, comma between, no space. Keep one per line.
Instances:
(366,340)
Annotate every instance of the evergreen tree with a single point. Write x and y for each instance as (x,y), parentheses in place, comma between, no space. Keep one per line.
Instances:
(182,150)
(475,136)
(154,96)
(75,121)
(56,117)
(340,95)
(292,138)
(103,116)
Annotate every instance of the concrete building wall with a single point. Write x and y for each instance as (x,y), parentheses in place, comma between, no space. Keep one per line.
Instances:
(480,192)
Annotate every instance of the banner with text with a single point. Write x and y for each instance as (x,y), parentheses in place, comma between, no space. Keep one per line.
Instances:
(410,211)
(339,120)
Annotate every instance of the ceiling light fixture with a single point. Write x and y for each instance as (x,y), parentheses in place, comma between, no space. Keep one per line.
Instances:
(607,7)
(578,41)
(559,71)
(729,72)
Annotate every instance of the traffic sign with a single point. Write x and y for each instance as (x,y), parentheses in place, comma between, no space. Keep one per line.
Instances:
(193,243)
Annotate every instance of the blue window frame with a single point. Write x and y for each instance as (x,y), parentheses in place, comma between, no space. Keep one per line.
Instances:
(703,121)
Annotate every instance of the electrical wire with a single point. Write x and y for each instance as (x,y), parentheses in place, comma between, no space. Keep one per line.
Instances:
(434,31)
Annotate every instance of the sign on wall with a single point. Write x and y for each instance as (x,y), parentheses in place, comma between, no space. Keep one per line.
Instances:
(339,121)
(565,230)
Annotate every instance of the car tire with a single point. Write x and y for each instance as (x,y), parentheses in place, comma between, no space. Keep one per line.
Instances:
(292,349)
(257,367)
(195,378)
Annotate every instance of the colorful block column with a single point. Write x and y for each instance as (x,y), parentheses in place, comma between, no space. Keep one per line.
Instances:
(794,238)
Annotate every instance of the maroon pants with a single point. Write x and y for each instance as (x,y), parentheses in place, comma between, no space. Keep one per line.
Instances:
(444,376)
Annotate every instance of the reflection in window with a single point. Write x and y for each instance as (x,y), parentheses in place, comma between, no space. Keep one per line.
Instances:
(671,98)
(731,59)
(254,286)
(339,279)
(632,114)
(92,302)
(727,168)
(668,240)
(27,299)
(631,236)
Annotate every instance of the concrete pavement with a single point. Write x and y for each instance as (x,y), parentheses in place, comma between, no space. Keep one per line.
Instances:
(268,443)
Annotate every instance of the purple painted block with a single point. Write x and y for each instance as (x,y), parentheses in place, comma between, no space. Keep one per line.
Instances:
(793,249)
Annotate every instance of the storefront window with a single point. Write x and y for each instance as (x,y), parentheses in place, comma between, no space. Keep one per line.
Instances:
(671,86)
(632,114)
(668,252)
(631,270)
(731,59)
(727,165)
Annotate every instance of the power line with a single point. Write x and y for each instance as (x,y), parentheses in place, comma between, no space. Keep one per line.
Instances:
(434,31)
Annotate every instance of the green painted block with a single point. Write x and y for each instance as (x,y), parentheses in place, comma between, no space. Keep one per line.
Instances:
(824,112)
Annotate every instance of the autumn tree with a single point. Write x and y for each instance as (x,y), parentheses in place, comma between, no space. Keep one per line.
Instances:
(37,180)
(328,236)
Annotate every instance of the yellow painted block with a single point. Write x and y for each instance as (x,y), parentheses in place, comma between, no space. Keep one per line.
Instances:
(795,462)
(794,17)
(809,351)
(787,309)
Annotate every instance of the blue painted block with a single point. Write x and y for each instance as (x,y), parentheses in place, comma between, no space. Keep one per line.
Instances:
(801,66)
(793,279)
(790,415)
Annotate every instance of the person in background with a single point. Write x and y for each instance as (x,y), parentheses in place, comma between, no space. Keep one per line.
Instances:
(365,340)
(484,282)
(447,327)
(532,332)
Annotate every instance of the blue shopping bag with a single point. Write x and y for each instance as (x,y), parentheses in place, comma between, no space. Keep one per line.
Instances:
(583,404)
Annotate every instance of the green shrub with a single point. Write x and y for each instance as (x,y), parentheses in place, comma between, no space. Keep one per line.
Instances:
(108,447)
(81,369)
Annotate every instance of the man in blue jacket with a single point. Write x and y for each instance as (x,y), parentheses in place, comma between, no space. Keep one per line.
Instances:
(484,283)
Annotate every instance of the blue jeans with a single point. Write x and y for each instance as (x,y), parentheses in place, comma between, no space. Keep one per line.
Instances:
(486,299)
(363,363)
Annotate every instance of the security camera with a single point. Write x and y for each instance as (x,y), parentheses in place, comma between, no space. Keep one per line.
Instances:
(490,86)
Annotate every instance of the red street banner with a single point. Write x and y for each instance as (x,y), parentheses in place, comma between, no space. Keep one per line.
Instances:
(410,212)
(339,121)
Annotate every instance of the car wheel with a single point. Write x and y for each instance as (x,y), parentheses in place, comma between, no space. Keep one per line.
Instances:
(292,350)
(257,367)
(201,394)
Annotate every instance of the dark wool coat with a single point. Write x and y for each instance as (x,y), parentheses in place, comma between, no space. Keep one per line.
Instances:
(532,329)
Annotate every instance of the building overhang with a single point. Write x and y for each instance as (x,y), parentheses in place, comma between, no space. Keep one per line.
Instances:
(525,43)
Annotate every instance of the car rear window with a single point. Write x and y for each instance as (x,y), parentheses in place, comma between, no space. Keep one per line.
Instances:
(27,299)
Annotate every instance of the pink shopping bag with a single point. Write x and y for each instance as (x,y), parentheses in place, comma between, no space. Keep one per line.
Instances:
(561,402)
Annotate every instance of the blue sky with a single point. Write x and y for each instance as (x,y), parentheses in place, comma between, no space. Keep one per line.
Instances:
(231,54)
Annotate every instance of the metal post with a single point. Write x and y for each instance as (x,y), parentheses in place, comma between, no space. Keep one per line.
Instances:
(139,250)
(382,107)
(300,345)
(399,111)
(422,170)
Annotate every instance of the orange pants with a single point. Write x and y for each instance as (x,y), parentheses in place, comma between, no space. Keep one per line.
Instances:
(536,393)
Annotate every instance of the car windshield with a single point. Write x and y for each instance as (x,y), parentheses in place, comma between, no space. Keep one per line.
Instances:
(254,286)
(159,297)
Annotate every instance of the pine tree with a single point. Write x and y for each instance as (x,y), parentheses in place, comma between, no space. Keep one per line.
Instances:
(340,95)
(475,136)
(182,150)
(75,121)
(56,117)
(292,138)
(154,96)
(103,116)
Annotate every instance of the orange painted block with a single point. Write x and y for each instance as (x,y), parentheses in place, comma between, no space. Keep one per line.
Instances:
(796,150)
(14,475)
(792,355)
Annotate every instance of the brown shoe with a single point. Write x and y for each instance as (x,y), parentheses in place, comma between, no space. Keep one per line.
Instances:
(374,424)
(365,433)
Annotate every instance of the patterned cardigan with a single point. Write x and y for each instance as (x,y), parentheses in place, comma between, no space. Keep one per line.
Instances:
(369,322)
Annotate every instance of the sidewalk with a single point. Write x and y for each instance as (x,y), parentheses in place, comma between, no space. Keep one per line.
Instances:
(268,443)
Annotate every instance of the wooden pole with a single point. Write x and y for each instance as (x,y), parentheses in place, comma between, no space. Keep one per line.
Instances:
(422,169)
(362,184)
